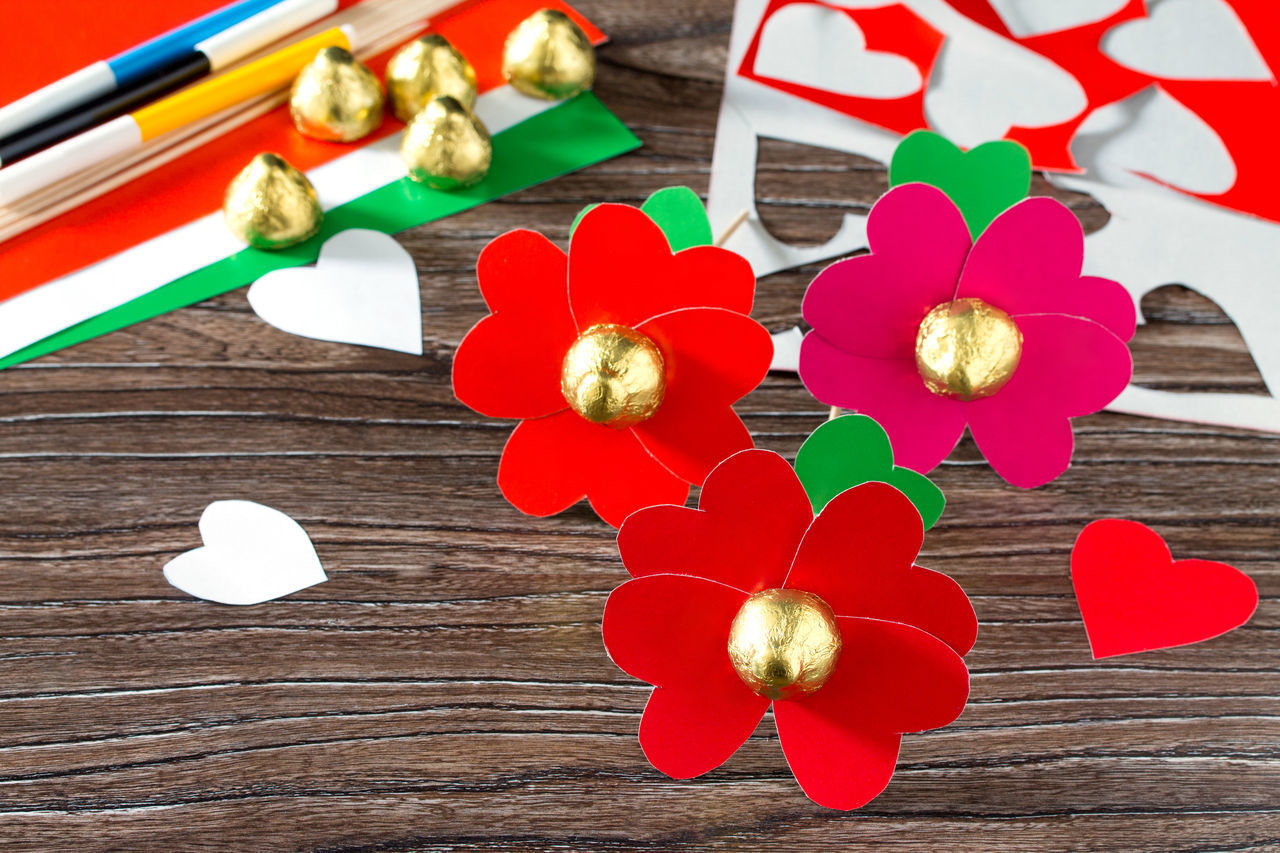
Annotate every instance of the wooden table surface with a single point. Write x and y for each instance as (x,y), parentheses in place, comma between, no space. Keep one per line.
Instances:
(447,688)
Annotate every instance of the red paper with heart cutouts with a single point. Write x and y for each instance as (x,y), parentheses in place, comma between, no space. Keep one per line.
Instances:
(1134,597)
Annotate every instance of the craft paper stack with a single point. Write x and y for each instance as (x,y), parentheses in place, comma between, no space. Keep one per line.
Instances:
(158,243)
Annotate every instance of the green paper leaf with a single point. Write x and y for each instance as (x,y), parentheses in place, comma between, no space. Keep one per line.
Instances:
(983,182)
(578,218)
(570,136)
(851,450)
(678,211)
(681,215)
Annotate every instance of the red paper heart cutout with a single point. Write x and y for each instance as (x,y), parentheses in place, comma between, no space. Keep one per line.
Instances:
(1134,597)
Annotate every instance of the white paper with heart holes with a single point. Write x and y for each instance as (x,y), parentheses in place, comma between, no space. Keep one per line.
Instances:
(839,61)
(980,88)
(252,554)
(1125,145)
(362,290)
(1026,18)
(983,85)
(1155,236)
(1187,40)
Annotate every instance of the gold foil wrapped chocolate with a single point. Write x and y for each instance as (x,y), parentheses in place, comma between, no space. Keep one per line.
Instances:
(784,642)
(549,56)
(445,146)
(427,68)
(271,205)
(967,349)
(613,375)
(336,98)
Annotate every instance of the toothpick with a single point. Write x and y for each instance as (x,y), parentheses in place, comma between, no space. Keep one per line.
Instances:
(835,413)
(733,226)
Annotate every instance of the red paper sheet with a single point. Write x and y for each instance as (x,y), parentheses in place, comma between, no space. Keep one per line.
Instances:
(190,186)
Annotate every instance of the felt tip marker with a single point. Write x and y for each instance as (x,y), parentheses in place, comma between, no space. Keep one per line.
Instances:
(209,56)
(124,70)
(127,133)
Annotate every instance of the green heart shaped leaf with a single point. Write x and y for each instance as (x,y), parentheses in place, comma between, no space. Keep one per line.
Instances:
(682,217)
(983,182)
(854,449)
(680,214)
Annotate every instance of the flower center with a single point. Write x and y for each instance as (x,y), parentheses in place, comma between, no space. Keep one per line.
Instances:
(967,349)
(613,375)
(784,642)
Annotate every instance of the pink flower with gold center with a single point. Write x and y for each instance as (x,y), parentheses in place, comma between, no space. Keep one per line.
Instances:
(932,332)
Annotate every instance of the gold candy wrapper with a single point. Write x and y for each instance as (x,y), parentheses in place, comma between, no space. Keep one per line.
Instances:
(967,349)
(613,375)
(336,98)
(784,643)
(446,147)
(427,68)
(549,56)
(271,205)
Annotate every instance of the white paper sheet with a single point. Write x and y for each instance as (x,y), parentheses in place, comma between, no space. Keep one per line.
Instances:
(1187,40)
(786,350)
(836,59)
(1150,135)
(1036,17)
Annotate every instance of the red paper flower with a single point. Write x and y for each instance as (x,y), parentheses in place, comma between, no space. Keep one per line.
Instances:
(619,283)
(902,628)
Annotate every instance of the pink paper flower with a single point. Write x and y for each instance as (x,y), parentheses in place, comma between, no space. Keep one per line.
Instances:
(867,311)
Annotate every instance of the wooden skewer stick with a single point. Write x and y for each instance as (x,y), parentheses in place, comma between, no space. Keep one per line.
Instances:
(733,226)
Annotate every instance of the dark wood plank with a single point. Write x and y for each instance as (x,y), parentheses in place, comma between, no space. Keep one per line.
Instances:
(447,688)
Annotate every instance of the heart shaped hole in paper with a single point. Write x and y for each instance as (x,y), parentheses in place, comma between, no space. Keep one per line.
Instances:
(804,191)
(1189,344)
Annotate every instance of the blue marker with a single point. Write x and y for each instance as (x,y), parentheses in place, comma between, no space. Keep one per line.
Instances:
(123,71)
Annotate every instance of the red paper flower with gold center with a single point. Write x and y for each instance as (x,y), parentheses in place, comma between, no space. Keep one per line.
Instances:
(622,359)
(827,619)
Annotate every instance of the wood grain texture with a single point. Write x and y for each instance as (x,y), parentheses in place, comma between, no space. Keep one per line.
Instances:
(447,688)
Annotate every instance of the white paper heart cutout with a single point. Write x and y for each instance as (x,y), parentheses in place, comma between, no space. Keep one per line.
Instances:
(252,553)
(1187,40)
(979,89)
(1152,134)
(1026,18)
(824,49)
(362,290)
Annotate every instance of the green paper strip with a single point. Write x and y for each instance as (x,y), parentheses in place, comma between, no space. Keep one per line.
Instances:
(854,449)
(571,136)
